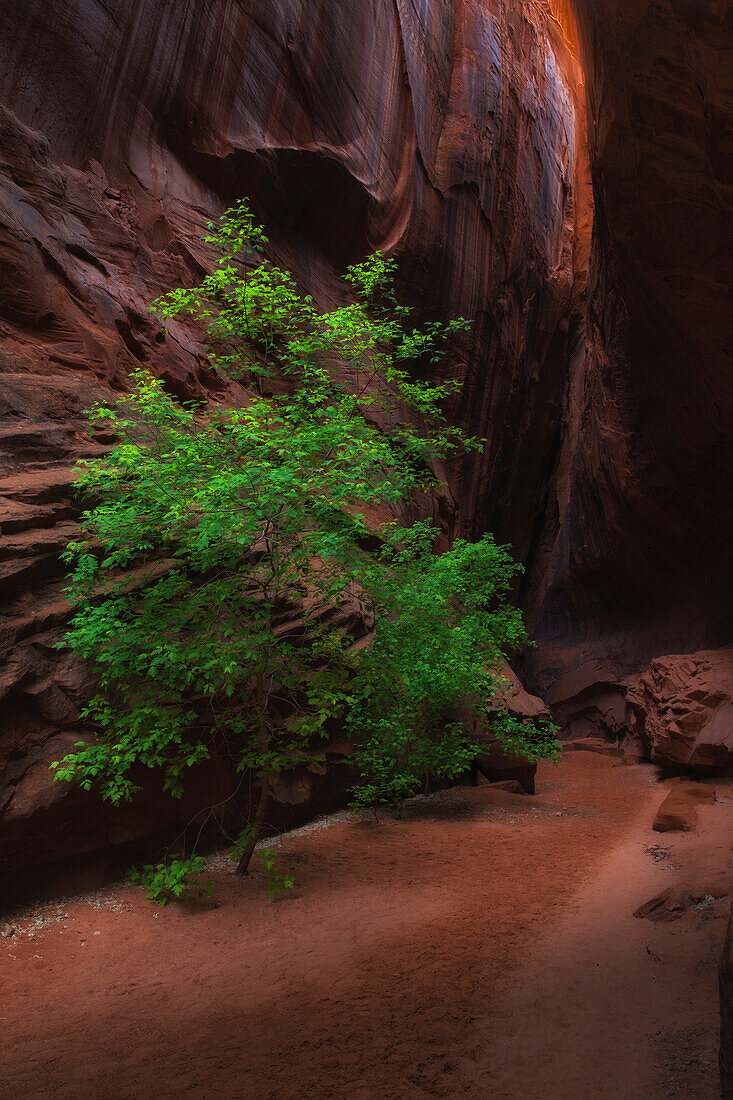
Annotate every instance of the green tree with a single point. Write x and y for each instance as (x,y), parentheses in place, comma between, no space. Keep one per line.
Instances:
(223,546)
(443,624)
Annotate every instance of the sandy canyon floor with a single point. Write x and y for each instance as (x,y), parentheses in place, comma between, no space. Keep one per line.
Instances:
(483,944)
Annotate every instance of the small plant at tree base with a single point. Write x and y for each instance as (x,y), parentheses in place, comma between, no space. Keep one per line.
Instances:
(244,842)
(222,547)
(277,883)
(173,880)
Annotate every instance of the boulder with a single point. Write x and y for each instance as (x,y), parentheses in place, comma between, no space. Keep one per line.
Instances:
(493,761)
(673,902)
(685,708)
(519,702)
(512,786)
(678,812)
(498,766)
(594,744)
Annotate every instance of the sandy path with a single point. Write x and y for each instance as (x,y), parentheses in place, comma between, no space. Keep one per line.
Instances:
(481,946)
(612,1007)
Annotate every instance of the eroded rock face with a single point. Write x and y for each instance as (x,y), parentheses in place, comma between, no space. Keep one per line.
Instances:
(684,704)
(589,701)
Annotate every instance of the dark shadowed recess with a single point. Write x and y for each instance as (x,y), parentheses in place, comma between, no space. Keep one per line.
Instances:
(309,202)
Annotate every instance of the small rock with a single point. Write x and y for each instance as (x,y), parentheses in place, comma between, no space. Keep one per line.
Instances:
(594,744)
(674,902)
(678,812)
(511,785)
(658,853)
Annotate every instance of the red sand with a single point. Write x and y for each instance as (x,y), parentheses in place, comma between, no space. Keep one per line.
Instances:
(482,946)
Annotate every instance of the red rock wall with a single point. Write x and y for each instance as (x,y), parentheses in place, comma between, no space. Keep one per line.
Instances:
(635,557)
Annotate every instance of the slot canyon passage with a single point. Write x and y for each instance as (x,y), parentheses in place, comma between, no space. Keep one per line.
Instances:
(561,173)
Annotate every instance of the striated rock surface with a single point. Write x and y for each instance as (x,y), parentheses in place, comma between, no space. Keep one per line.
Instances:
(684,707)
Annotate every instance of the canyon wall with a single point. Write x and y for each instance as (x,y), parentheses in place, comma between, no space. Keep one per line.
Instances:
(451,133)
(637,558)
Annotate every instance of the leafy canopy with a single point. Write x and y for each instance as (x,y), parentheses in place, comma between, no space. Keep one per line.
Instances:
(228,553)
(443,624)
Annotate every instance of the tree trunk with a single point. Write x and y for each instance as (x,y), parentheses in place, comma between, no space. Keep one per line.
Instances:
(263,739)
(243,864)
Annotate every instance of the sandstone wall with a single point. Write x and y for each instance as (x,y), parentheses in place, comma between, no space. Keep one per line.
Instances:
(636,558)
